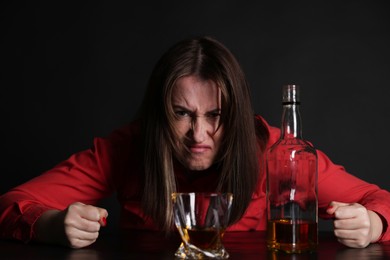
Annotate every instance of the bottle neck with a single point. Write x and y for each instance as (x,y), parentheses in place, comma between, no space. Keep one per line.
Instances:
(291,122)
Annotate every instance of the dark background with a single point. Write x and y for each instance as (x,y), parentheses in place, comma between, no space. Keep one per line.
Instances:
(71,71)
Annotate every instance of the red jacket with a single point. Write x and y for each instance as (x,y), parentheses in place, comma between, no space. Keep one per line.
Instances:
(114,164)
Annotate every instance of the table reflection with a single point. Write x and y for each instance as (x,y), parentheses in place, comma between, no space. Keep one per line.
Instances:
(151,245)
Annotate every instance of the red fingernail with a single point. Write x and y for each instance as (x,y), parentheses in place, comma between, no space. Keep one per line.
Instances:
(329,207)
(104,221)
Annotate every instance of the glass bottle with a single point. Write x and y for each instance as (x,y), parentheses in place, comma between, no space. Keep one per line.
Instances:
(292,212)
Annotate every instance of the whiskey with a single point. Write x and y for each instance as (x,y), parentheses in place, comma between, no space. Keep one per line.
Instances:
(292,183)
(205,239)
(201,220)
(292,236)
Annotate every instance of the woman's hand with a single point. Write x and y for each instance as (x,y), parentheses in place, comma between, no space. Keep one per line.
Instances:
(354,225)
(77,226)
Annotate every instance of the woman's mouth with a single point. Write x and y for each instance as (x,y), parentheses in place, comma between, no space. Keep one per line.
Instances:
(199,148)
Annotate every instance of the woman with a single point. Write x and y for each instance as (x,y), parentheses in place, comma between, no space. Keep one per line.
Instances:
(196,131)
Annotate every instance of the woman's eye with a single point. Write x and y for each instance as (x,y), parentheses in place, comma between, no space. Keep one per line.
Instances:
(181,113)
(214,115)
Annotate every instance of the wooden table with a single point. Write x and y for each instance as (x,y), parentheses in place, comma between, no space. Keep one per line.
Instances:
(151,245)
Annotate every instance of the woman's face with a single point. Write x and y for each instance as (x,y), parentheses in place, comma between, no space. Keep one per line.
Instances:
(197,107)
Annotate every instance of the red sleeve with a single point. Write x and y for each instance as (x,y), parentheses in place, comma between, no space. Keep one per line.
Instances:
(335,184)
(84,177)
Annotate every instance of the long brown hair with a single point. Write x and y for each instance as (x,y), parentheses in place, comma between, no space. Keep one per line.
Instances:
(239,153)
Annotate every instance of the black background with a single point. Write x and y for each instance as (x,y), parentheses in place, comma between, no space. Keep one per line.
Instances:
(71,71)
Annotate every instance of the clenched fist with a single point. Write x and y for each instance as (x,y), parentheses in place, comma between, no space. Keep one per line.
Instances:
(354,225)
(77,226)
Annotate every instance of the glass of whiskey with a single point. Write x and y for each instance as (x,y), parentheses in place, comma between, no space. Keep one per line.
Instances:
(201,220)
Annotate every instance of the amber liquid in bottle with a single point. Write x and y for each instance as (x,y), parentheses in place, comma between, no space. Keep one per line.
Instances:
(292,213)
(292,236)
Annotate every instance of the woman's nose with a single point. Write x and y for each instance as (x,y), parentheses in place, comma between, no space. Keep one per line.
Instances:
(199,129)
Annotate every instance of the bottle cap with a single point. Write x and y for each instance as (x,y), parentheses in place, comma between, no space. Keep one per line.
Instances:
(290,94)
